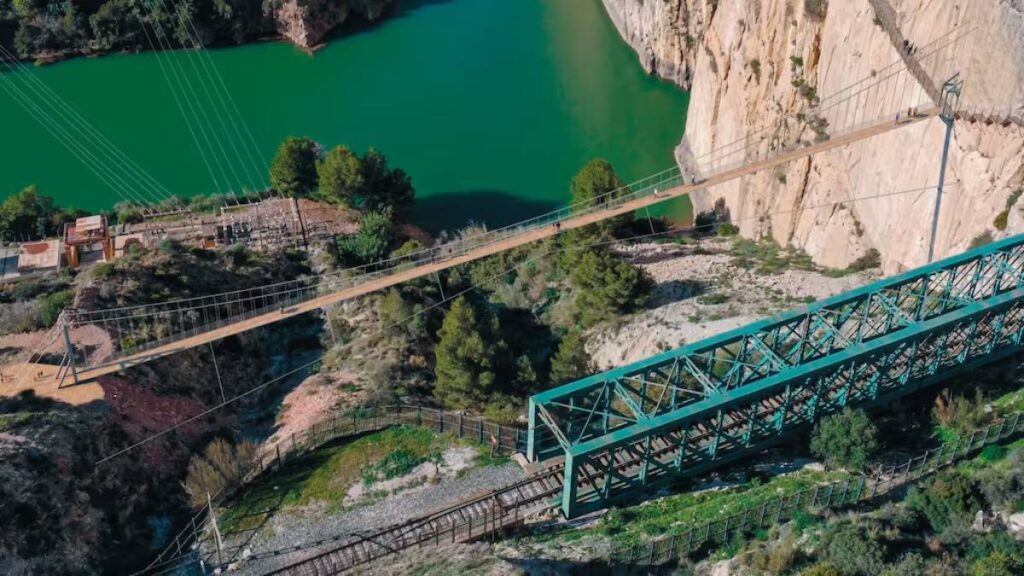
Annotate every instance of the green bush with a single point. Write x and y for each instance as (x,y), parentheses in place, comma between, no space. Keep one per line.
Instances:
(728,230)
(949,498)
(370,244)
(854,553)
(397,463)
(816,9)
(51,305)
(983,239)
(846,439)
(607,286)
(1000,221)
(822,569)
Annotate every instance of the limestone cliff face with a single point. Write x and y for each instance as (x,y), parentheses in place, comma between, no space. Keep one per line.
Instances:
(307,22)
(753,54)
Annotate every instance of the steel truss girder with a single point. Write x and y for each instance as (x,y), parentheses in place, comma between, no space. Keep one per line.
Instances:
(717,430)
(667,383)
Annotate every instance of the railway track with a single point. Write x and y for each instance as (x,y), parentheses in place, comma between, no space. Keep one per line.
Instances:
(478,517)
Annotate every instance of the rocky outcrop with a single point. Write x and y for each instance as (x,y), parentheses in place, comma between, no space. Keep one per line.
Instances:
(666,34)
(307,22)
(753,56)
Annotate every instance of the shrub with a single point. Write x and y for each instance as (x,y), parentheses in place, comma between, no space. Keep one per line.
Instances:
(870,259)
(220,467)
(1000,221)
(51,305)
(822,569)
(370,243)
(1003,486)
(846,439)
(397,463)
(571,361)
(959,413)
(853,553)
(728,230)
(950,498)
(980,240)
(816,9)
(911,564)
(607,286)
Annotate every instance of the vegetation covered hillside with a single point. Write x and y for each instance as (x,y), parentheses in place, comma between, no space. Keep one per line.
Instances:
(37,28)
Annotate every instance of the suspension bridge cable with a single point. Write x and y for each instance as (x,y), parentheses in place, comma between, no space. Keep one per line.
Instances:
(851,92)
(174,92)
(147,184)
(224,95)
(183,83)
(448,298)
(80,151)
(181,12)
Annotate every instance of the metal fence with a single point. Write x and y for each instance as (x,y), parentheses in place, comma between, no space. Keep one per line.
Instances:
(833,495)
(505,439)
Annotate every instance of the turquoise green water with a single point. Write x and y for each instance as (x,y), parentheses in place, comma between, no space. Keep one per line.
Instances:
(490,105)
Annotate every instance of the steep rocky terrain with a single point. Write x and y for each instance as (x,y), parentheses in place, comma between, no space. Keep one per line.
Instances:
(746,61)
(307,22)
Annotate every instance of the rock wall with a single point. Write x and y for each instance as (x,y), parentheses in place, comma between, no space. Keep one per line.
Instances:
(838,205)
(307,22)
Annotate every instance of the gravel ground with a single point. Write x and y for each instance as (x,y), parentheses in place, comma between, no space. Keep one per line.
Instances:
(292,528)
(681,310)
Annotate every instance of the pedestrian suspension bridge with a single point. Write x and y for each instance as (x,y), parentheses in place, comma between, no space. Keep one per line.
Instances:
(133,335)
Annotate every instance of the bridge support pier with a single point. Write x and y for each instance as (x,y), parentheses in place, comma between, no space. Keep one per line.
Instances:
(70,349)
(950,99)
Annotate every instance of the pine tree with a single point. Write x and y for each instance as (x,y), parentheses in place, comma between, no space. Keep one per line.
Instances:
(571,361)
(340,176)
(606,286)
(597,184)
(293,169)
(466,356)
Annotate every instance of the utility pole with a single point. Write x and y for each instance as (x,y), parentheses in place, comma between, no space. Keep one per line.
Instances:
(950,100)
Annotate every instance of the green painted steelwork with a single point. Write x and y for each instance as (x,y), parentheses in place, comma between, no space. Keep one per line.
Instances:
(691,409)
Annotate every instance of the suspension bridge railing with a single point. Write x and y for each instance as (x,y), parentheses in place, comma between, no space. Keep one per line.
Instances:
(838,494)
(136,330)
(505,439)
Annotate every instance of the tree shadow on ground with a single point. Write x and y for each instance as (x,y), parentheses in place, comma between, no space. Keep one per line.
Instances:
(495,208)
(676,291)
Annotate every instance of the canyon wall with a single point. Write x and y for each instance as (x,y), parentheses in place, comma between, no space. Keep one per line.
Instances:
(749,63)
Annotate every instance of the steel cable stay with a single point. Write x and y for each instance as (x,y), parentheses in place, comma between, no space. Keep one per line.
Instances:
(174,88)
(892,73)
(147,184)
(851,92)
(80,151)
(197,111)
(182,12)
(224,95)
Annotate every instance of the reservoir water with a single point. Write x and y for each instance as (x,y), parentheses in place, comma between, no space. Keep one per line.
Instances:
(491,106)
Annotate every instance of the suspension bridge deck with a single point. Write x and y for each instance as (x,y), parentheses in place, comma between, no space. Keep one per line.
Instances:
(50,386)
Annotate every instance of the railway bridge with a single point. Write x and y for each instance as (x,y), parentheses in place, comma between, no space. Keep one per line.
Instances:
(694,408)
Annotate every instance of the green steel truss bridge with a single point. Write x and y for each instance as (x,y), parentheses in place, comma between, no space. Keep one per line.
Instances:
(694,408)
